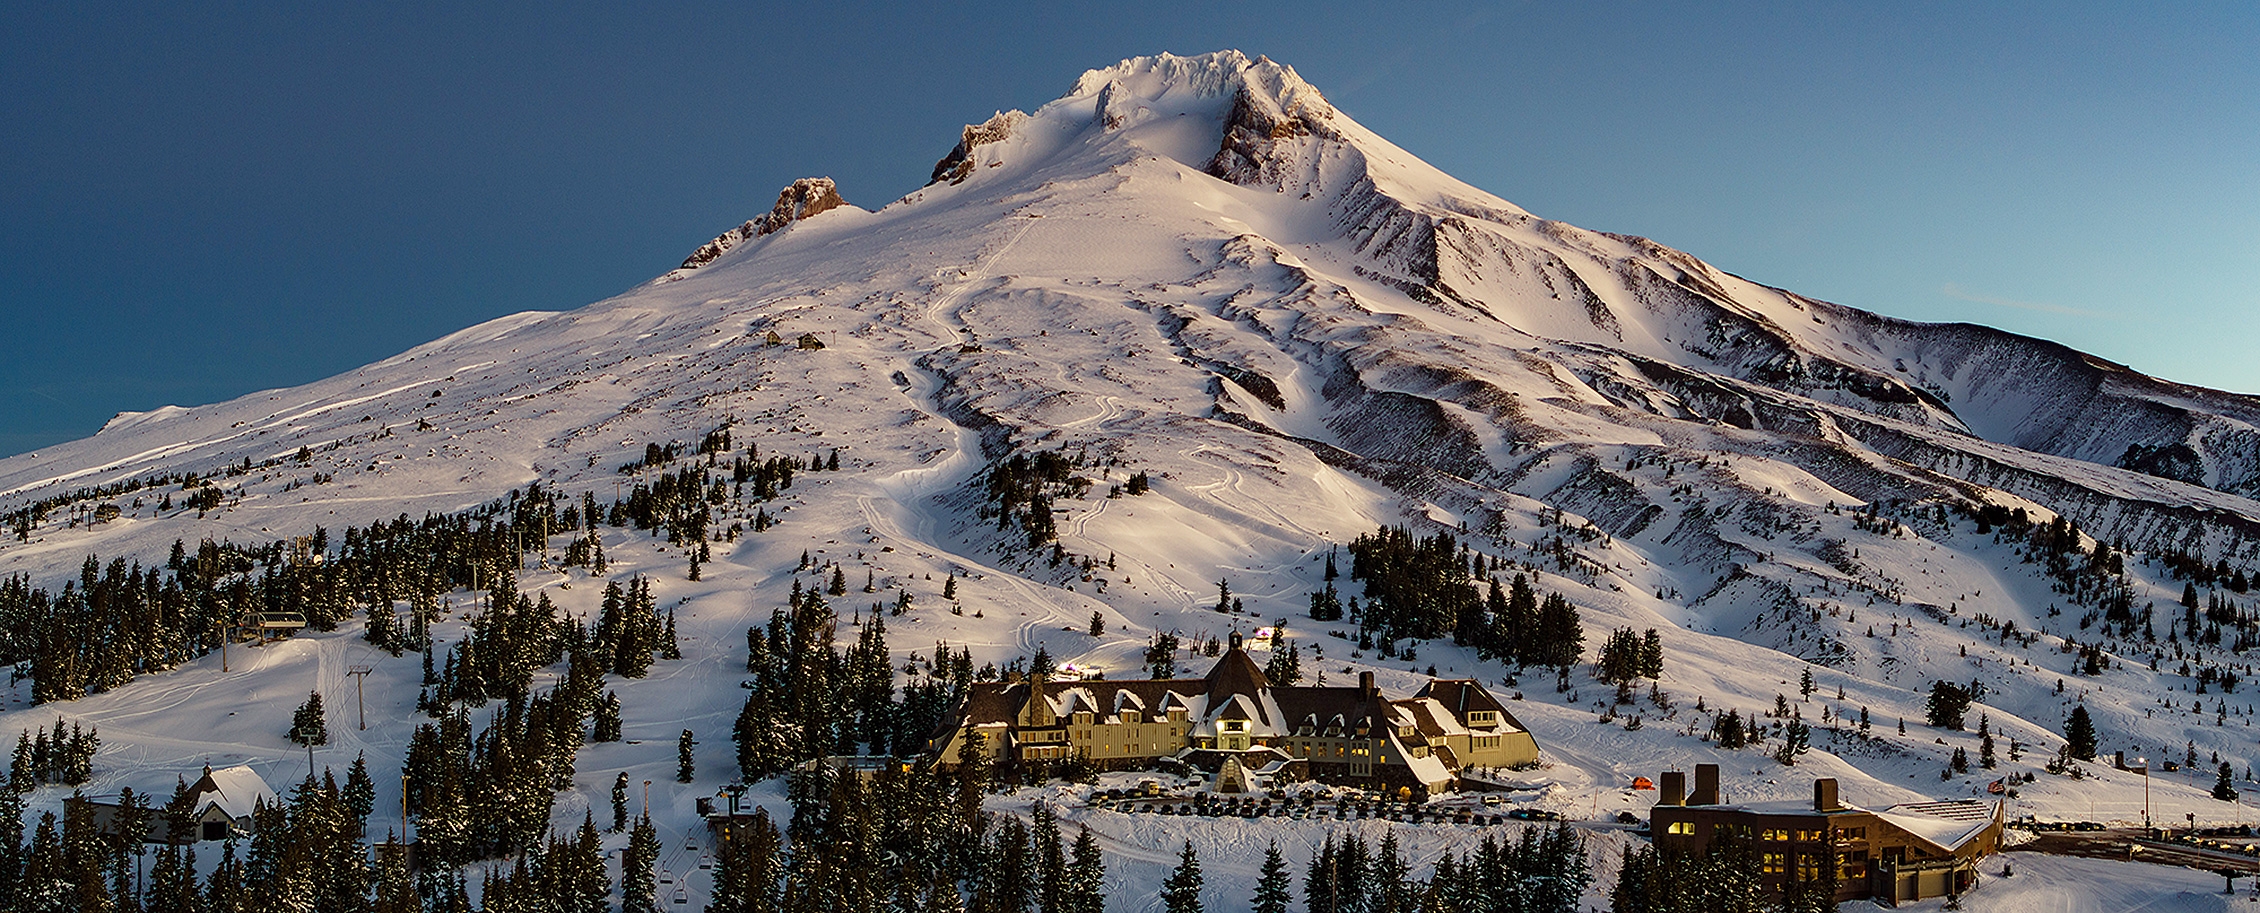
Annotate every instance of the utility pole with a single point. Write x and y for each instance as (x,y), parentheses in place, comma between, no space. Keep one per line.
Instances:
(2145,762)
(360,675)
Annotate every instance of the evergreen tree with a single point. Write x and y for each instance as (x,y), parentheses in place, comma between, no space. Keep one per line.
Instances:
(1086,879)
(1182,892)
(46,883)
(1271,883)
(307,724)
(224,889)
(2224,788)
(2079,734)
(620,803)
(607,719)
(1391,887)
(12,843)
(1321,881)
(360,795)
(1561,639)
(1948,705)
(1285,666)
(1635,890)
(745,877)
(638,892)
(1518,625)
(1051,861)
(685,761)
(395,884)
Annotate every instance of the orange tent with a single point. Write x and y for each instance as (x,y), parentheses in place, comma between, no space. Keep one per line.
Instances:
(1643,783)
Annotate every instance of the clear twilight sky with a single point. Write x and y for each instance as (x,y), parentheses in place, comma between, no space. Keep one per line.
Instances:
(197,202)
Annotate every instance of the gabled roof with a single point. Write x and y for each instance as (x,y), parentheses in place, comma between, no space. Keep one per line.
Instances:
(1236,675)
(1430,717)
(236,790)
(1324,703)
(1466,695)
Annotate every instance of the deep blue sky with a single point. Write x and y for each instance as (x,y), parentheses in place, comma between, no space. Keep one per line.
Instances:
(202,200)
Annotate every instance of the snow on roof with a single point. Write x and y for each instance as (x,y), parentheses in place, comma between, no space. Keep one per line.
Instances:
(236,790)
(1430,770)
(1073,700)
(1946,825)
(1437,720)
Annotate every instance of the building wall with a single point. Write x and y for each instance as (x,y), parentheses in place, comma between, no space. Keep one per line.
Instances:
(1867,848)
(1101,741)
(1506,749)
(1787,846)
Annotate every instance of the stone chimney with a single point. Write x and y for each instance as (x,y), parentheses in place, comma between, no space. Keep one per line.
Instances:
(1706,785)
(1824,795)
(1673,790)
(1365,684)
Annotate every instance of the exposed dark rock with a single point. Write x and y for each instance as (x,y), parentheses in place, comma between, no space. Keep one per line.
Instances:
(958,165)
(806,197)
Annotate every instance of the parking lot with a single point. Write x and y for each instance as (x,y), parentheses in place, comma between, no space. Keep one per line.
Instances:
(1462,811)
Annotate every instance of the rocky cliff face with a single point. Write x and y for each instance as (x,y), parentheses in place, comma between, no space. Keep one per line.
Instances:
(801,199)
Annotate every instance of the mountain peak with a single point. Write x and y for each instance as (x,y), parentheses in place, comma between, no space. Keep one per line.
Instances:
(1217,74)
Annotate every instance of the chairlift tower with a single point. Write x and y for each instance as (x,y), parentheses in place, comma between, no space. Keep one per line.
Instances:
(360,673)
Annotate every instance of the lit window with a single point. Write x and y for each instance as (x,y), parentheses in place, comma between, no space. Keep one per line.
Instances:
(1680,827)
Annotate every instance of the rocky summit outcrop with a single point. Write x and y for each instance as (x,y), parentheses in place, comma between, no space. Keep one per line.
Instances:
(803,198)
(958,165)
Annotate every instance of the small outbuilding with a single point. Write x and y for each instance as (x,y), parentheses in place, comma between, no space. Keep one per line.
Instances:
(222,800)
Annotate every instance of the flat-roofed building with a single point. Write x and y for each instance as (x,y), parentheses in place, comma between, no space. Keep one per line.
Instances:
(1903,852)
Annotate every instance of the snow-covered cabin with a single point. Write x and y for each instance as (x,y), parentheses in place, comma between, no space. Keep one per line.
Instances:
(223,800)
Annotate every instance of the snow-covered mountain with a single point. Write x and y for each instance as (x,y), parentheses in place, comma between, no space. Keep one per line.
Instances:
(1197,268)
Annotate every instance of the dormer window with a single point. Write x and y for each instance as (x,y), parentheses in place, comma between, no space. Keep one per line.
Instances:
(1235,725)
(1482,718)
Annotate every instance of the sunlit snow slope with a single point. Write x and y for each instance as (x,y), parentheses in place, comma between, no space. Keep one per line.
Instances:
(1199,267)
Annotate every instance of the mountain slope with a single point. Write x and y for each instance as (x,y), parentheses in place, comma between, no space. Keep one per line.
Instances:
(1197,268)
